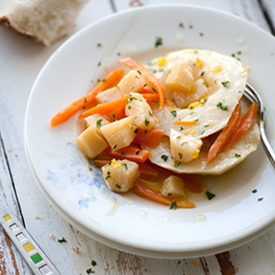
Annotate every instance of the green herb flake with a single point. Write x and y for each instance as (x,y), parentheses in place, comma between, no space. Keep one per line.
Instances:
(149,63)
(206,125)
(150,114)
(169,194)
(85,99)
(223,106)
(226,84)
(177,164)
(260,199)
(98,123)
(114,147)
(209,195)
(99,64)
(99,45)
(254,191)
(164,157)
(136,131)
(154,90)
(180,155)
(201,34)
(161,69)
(122,153)
(181,128)
(181,25)
(237,155)
(155,101)
(93,263)
(239,52)
(62,240)
(139,72)
(173,205)
(233,55)
(147,121)
(89,271)
(190,26)
(202,73)
(129,107)
(158,42)
(118,54)
(174,113)
(118,186)
(124,165)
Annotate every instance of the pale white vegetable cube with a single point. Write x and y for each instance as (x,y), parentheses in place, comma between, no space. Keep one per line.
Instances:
(172,187)
(139,109)
(120,133)
(109,95)
(184,148)
(120,175)
(96,119)
(180,77)
(91,143)
(131,82)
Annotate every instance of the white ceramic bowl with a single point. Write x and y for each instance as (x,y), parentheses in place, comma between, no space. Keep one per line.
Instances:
(131,223)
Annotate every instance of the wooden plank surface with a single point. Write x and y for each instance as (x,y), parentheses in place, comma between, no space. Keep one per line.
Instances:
(23,59)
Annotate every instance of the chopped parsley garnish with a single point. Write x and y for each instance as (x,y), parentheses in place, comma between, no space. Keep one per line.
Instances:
(129,107)
(181,128)
(124,165)
(254,191)
(62,240)
(202,73)
(173,205)
(122,153)
(233,55)
(260,199)
(154,90)
(137,152)
(136,131)
(183,143)
(239,52)
(237,155)
(178,137)
(108,175)
(196,120)
(203,101)
(98,123)
(161,69)
(89,271)
(201,34)
(114,147)
(85,99)
(190,26)
(206,125)
(139,72)
(169,194)
(99,45)
(93,263)
(226,84)
(177,164)
(147,121)
(201,132)
(209,195)
(155,101)
(174,113)
(181,25)
(150,114)
(158,42)
(99,64)
(164,157)
(118,186)
(149,63)
(118,53)
(222,106)
(180,155)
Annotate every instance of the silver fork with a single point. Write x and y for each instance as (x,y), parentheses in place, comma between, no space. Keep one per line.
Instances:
(252,95)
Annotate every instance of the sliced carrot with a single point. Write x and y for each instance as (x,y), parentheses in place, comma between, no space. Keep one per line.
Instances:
(148,76)
(146,171)
(243,126)
(74,107)
(142,190)
(224,135)
(151,97)
(148,137)
(185,123)
(106,108)
(191,184)
(131,152)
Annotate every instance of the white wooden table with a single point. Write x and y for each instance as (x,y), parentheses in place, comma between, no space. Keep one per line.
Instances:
(20,61)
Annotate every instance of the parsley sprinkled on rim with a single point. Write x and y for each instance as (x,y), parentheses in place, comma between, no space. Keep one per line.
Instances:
(209,195)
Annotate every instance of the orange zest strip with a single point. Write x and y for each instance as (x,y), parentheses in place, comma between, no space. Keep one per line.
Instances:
(186,123)
(74,107)
(224,135)
(146,172)
(106,108)
(243,126)
(148,76)
(142,190)
(148,137)
(130,153)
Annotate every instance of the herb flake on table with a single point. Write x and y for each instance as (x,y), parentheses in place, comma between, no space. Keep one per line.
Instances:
(158,42)
(63,240)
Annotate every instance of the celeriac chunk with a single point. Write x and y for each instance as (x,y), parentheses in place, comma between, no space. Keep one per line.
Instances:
(131,82)
(120,175)
(172,187)
(184,148)
(139,109)
(120,133)
(180,77)
(96,119)
(109,95)
(91,143)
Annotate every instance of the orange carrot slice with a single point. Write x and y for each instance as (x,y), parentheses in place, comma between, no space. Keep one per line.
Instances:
(224,135)
(243,126)
(142,190)
(106,108)
(132,153)
(148,76)
(74,107)
(148,137)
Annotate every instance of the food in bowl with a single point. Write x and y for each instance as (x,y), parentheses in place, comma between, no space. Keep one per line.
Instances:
(176,115)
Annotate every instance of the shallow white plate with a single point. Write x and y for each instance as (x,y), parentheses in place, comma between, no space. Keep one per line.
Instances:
(130,223)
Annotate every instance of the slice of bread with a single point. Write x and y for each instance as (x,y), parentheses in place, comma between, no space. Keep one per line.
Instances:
(43,20)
